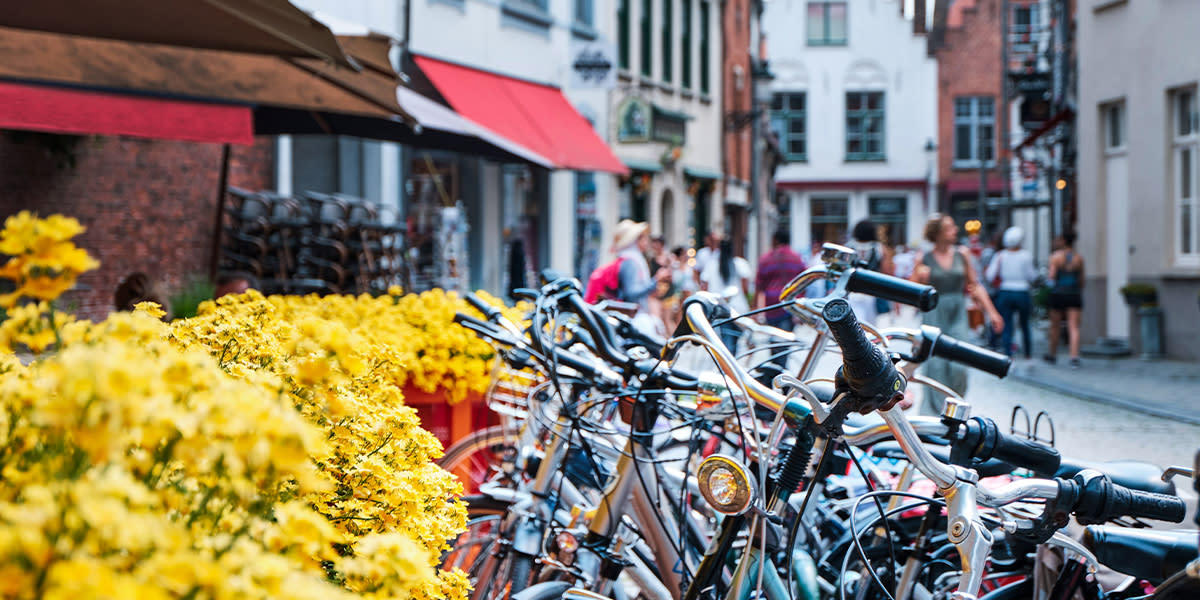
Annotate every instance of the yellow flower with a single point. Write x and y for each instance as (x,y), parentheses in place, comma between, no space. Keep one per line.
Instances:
(153,309)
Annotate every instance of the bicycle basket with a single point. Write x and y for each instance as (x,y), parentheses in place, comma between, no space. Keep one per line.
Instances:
(508,392)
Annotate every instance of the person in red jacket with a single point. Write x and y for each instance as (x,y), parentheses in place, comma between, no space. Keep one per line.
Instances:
(775,269)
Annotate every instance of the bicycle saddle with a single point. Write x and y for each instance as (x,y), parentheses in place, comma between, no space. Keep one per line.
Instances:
(1134,474)
(1150,554)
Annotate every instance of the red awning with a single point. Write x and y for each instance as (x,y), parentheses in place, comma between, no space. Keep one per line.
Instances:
(63,110)
(535,116)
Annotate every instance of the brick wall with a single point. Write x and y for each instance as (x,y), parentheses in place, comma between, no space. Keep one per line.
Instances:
(968,65)
(735,38)
(148,205)
(736,100)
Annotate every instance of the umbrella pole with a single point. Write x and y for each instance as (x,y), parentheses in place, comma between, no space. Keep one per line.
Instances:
(218,227)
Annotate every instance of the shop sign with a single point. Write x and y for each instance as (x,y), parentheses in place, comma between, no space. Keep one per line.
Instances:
(669,127)
(633,120)
(593,64)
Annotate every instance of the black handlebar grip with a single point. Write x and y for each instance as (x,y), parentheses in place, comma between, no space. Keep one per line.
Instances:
(867,371)
(568,359)
(594,324)
(971,355)
(491,312)
(843,324)
(1022,452)
(893,288)
(1149,505)
(472,323)
(1100,500)
(528,294)
(549,275)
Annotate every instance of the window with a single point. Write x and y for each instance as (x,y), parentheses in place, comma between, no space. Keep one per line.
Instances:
(1114,126)
(583,14)
(890,213)
(826,23)
(829,221)
(327,164)
(685,43)
(974,132)
(704,58)
(864,126)
(788,122)
(623,34)
(646,43)
(1186,168)
(667,39)
(534,13)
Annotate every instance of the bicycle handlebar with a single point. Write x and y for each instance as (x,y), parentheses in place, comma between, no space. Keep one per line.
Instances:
(868,373)
(489,312)
(895,289)
(932,342)
(984,441)
(973,356)
(1095,499)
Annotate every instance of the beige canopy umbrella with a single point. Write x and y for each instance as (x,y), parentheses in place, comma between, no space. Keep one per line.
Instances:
(257,26)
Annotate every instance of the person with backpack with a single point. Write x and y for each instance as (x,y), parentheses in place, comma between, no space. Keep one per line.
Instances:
(627,277)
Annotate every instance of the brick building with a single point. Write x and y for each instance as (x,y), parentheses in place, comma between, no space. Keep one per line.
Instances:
(148,205)
(737,69)
(973,114)
(966,43)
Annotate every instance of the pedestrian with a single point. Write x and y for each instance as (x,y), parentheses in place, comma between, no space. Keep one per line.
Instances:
(234,282)
(635,282)
(1066,297)
(775,269)
(707,252)
(874,256)
(1011,272)
(904,260)
(138,287)
(989,253)
(728,277)
(949,268)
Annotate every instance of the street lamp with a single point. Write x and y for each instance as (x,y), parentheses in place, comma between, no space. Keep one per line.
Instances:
(930,172)
(760,82)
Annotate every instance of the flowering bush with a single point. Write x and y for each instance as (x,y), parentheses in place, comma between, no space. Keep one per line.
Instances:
(258,450)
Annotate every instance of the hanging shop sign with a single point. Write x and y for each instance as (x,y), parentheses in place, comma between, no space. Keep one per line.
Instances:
(593,64)
(633,121)
(668,126)
(641,121)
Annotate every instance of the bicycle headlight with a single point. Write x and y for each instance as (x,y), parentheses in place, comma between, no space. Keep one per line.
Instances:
(726,484)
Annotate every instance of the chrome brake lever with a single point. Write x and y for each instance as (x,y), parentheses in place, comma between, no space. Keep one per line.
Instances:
(791,387)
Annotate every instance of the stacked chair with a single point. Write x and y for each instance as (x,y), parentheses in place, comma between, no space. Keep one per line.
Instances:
(313,243)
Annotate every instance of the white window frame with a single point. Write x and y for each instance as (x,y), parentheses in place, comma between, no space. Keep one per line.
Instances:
(1185,145)
(975,121)
(1109,112)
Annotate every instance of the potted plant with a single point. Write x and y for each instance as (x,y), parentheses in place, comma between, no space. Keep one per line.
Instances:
(1139,294)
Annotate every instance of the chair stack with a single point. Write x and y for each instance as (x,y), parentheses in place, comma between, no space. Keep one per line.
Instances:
(314,243)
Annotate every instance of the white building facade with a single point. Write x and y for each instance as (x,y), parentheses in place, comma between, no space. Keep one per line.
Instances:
(855,112)
(666,120)
(1139,165)
(552,217)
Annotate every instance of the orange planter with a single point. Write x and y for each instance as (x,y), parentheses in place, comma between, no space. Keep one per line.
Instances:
(448,423)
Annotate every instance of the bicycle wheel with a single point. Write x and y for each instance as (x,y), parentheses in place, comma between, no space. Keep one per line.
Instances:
(493,569)
(484,517)
(479,457)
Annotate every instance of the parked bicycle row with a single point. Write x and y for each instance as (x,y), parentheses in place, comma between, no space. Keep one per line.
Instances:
(627,466)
